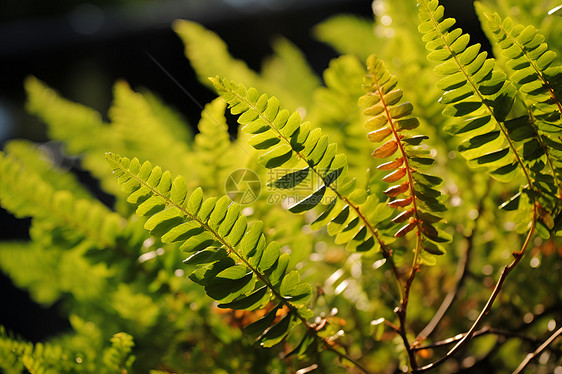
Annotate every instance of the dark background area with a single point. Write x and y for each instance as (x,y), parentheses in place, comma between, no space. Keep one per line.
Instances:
(82,49)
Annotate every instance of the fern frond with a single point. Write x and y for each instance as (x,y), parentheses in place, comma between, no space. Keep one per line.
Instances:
(335,109)
(168,116)
(134,128)
(336,31)
(233,261)
(530,12)
(17,355)
(533,71)
(216,154)
(25,194)
(416,196)
(351,214)
(138,130)
(38,160)
(480,93)
(474,90)
(289,68)
(209,56)
(49,271)
(118,358)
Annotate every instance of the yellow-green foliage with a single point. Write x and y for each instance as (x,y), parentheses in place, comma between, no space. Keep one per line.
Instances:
(366,218)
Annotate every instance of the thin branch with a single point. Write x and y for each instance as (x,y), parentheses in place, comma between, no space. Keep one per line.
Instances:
(460,276)
(538,351)
(505,272)
(344,356)
(483,331)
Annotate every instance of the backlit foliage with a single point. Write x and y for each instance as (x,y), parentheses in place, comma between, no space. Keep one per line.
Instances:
(370,247)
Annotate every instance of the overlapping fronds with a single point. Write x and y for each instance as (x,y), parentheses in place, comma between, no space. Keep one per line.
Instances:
(25,194)
(416,196)
(17,355)
(118,358)
(209,56)
(303,153)
(233,261)
(38,160)
(213,148)
(480,93)
(335,108)
(534,72)
(474,90)
(289,68)
(336,32)
(82,131)
(530,12)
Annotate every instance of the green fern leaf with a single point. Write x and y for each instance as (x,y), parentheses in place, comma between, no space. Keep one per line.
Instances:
(118,358)
(233,262)
(26,194)
(288,68)
(209,56)
(335,109)
(307,151)
(416,195)
(480,93)
(217,156)
(533,70)
(335,31)
(474,89)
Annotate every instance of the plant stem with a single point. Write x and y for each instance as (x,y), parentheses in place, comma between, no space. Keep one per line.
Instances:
(460,276)
(505,272)
(483,331)
(538,351)
(346,357)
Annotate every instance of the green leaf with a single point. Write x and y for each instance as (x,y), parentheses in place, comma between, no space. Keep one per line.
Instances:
(255,329)
(276,157)
(206,256)
(291,180)
(309,202)
(276,333)
(253,301)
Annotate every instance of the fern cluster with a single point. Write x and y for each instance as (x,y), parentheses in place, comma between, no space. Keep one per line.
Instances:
(234,263)
(361,197)
(479,92)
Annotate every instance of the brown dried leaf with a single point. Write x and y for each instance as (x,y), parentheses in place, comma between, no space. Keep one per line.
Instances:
(386,150)
(395,175)
(405,229)
(392,164)
(397,190)
(400,203)
(403,216)
(379,135)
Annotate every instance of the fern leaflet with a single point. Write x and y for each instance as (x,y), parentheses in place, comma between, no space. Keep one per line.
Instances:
(25,194)
(391,118)
(352,214)
(480,93)
(233,262)
(532,62)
